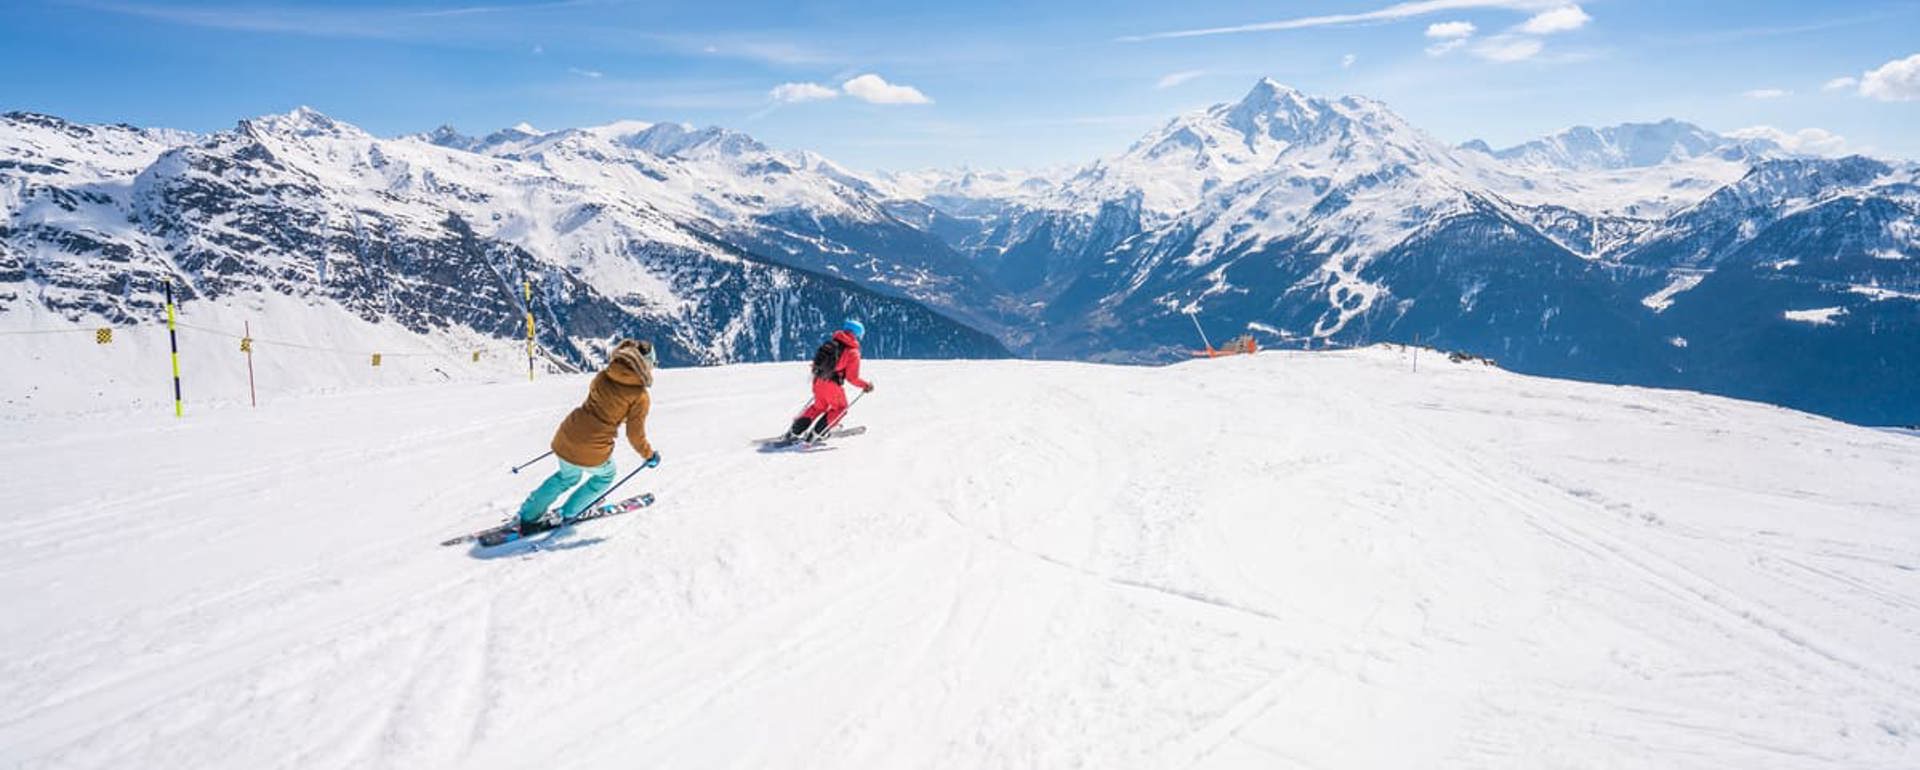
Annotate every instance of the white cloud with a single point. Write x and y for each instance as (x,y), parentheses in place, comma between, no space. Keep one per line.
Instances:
(586,73)
(1406,10)
(1768,93)
(1504,48)
(1346,62)
(1895,81)
(1811,141)
(1448,30)
(1841,83)
(1445,47)
(1563,19)
(872,88)
(1176,78)
(802,92)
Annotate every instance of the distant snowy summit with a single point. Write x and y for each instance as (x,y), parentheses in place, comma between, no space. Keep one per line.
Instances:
(1631,145)
(1654,253)
(1657,253)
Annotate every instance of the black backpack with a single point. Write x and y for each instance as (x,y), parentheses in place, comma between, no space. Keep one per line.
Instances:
(826,361)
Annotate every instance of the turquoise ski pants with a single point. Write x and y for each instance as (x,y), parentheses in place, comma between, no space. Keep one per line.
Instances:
(599,478)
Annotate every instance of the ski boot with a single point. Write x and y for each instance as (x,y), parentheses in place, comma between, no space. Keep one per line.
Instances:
(797,431)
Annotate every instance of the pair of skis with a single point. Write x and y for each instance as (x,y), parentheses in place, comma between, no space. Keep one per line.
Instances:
(785,441)
(513,531)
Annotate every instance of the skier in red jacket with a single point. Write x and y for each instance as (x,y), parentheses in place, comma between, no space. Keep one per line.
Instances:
(837,361)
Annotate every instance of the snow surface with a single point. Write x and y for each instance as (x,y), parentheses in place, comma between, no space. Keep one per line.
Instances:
(1679,282)
(1283,560)
(301,348)
(1820,316)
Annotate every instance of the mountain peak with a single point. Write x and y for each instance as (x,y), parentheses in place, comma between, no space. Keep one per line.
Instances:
(447,136)
(303,121)
(681,139)
(1269,96)
(1273,111)
(1268,88)
(1633,145)
(619,129)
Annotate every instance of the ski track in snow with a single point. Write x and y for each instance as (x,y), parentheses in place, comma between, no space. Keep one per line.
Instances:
(1286,560)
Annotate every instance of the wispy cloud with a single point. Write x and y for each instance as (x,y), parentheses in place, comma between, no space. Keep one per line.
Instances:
(1813,141)
(1768,93)
(1563,19)
(874,89)
(497,24)
(1394,12)
(1841,83)
(1748,33)
(1346,62)
(1176,78)
(586,73)
(1518,43)
(764,50)
(868,87)
(475,10)
(1451,34)
(793,93)
(1507,48)
(323,20)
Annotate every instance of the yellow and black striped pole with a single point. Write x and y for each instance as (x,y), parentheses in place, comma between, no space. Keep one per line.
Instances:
(527,287)
(173,341)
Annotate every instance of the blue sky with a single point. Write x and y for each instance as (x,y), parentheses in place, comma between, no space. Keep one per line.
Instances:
(989,84)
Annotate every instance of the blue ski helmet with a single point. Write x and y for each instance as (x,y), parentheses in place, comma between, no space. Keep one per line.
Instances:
(855,328)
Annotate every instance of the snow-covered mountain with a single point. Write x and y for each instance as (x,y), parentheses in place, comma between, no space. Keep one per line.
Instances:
(438,235)
(1654,253)
(1629,145)
(1334,219)
(797,208)
(1636,171)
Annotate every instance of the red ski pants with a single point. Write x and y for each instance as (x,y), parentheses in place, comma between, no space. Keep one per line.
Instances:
(829,399)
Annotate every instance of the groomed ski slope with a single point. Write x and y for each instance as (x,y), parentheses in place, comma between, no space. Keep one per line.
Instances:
(1289,560)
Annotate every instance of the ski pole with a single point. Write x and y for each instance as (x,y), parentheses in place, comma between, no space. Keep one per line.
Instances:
(843,415)
(543,456)
(843,412)
(616,485)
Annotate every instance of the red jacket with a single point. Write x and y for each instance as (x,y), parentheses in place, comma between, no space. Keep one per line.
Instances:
(849,364)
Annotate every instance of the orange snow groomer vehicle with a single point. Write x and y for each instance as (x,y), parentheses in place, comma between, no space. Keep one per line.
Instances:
(1241,345)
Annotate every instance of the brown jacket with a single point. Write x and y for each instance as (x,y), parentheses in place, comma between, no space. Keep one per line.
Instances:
(618,394)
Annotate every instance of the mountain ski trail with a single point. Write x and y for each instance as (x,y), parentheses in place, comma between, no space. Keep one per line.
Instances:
(1283,559)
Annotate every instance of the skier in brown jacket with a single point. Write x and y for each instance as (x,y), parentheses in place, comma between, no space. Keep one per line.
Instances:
(584,442)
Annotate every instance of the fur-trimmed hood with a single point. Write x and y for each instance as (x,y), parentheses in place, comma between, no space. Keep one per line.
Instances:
(629,366)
